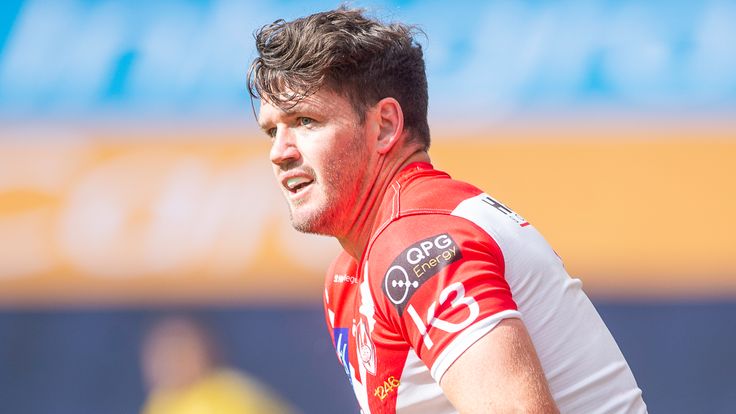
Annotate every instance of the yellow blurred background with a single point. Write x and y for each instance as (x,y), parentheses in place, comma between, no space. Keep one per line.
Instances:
(635,211)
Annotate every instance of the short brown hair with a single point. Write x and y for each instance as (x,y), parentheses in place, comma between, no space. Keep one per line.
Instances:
(355,56)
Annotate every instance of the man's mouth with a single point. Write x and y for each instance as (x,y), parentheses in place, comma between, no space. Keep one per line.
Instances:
(296,184)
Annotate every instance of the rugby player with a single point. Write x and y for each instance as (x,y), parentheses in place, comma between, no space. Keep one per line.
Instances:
(443,299)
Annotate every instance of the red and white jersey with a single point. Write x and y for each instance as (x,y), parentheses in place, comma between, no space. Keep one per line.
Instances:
(444,265)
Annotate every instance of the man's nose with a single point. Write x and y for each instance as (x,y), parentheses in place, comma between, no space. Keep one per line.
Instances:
(283,148)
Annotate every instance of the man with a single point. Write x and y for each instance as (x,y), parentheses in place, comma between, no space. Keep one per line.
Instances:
(443,299)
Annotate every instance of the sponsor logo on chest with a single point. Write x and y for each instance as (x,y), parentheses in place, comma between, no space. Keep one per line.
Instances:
(417,264)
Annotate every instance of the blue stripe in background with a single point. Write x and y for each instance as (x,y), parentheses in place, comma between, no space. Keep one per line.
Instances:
(184,58)
(8,13)
(120,75)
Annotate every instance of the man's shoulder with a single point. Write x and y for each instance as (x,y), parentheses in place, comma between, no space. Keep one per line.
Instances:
(424,233)
(432,190)
(422,206)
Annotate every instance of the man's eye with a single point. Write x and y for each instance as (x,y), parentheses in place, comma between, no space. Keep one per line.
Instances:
(304,121)
(271,132)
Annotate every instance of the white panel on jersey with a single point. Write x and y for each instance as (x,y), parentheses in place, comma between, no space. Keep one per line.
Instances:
(330,313)
(360,390)
(584,367)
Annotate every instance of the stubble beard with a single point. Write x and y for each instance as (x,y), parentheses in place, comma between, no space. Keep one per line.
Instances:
(340,186)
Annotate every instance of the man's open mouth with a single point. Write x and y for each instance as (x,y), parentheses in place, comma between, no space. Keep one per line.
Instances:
(295,184)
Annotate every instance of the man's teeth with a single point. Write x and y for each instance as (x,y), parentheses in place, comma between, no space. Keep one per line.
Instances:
(296,182)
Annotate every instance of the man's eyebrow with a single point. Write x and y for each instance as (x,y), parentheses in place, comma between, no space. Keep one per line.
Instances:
(289,111)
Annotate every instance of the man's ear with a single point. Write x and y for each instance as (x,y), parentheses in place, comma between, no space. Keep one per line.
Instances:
(390,120)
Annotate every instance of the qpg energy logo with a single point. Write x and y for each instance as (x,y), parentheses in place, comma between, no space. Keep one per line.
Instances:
(417,264)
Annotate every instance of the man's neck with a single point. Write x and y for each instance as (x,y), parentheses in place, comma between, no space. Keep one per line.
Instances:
(355,241)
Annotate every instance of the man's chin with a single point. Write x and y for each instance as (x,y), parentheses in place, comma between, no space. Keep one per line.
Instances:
(309,228)
(311,224)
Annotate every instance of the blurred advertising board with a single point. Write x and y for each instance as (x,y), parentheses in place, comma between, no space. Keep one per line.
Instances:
(110,218)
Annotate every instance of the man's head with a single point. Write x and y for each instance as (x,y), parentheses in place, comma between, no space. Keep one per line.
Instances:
(344,100)
(347,53)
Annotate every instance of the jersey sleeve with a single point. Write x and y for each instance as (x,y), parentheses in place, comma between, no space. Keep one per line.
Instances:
(442,285)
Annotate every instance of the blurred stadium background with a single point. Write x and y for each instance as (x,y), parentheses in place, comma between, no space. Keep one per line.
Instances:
(134,183)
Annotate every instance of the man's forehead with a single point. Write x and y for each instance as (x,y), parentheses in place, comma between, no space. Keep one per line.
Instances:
(322,100)
(269,110)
